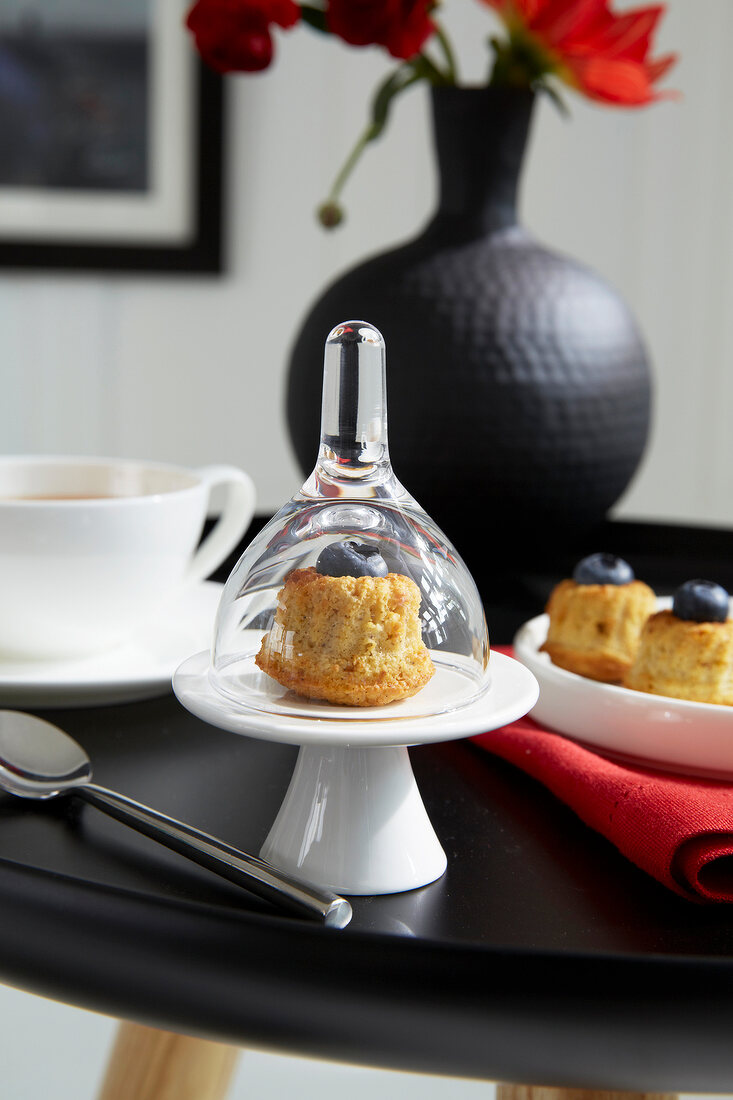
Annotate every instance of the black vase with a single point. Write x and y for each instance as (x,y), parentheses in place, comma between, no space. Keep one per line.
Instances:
(518,385)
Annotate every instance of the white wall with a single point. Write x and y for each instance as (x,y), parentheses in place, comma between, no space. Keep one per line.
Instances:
(192,370)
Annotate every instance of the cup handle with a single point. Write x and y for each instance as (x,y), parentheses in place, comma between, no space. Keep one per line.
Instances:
(234,519)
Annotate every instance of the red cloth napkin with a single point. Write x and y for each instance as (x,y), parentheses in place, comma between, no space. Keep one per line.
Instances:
(678,829)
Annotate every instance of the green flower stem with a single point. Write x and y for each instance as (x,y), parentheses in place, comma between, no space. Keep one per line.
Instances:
(350,163)
(409,72)
(428,70)
(519,64)
(314,17)
(330,213)
(451,72)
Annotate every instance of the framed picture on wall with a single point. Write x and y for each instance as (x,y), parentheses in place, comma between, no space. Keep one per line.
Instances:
(110,139)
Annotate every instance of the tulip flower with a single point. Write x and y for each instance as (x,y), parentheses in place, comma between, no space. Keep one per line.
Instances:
(602,54)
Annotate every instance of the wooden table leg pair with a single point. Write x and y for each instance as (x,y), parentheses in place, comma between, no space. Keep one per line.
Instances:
(147,1064)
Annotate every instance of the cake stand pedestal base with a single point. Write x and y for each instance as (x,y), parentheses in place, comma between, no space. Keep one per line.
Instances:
(353,820)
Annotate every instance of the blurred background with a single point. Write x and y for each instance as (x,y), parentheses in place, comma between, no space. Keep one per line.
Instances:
(190,368)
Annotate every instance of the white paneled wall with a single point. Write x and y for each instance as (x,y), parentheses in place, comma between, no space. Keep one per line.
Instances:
(192,370)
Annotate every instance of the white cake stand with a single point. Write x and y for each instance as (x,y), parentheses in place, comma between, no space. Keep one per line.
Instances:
(353,819)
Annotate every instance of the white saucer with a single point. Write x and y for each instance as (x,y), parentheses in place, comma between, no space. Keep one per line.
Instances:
(141,669)
(671,734)
(513,691)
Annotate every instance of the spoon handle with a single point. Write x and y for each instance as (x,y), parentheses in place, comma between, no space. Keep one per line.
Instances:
(253,874)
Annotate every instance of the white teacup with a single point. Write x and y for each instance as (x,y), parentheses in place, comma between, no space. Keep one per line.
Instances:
(91,548)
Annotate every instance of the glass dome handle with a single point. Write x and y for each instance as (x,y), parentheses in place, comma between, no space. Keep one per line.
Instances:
(354,410)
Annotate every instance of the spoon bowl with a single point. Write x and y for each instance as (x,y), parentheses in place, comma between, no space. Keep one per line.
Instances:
(37,759)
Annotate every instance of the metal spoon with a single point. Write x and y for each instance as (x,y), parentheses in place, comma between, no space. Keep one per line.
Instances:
(38,760)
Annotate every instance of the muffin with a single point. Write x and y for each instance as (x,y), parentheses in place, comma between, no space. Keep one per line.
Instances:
(349,639)
(596,618)
(687,652)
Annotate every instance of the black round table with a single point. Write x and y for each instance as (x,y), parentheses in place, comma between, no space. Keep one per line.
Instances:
(542,956)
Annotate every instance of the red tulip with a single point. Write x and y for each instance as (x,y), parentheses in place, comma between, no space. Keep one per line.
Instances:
(234,35)
(602,54)
(401,26)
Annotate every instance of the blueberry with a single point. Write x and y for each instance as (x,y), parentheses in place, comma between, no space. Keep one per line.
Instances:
(351,559)
(701,602)
(603,569)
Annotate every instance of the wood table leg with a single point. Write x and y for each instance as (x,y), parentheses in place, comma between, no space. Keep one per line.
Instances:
(147,1064)
(533,1092)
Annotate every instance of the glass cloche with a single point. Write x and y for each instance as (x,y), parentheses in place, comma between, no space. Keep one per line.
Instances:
(292,605)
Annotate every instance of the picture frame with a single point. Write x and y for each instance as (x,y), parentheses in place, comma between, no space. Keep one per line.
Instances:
(78,194)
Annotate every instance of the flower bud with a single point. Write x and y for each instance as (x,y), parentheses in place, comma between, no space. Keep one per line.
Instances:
(330,214)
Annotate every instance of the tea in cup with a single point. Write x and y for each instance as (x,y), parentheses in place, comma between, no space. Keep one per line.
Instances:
(91,548)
